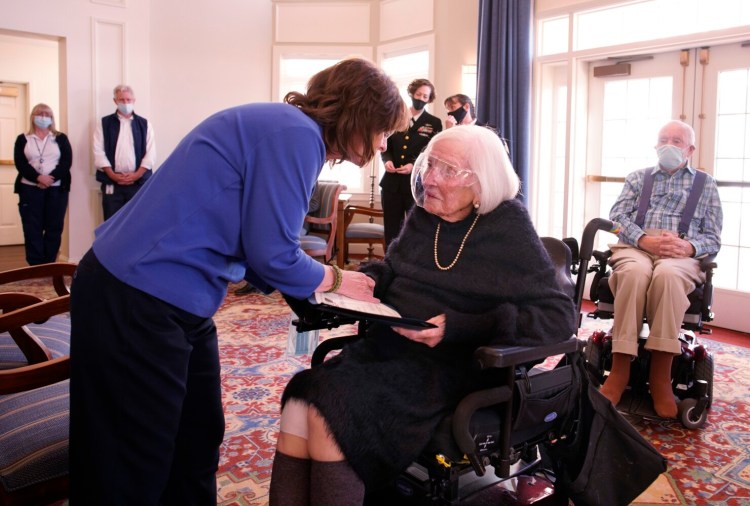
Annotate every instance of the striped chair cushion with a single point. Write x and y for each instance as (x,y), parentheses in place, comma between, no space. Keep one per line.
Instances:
(311,241)
(365,231)
(34,436)
(54,333)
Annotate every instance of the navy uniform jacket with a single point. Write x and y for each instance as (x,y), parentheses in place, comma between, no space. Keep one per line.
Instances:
(405,147)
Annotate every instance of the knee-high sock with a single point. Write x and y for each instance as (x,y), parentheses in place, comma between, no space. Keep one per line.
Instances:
(290,481)
(335,484)
(660,384)
(618,378)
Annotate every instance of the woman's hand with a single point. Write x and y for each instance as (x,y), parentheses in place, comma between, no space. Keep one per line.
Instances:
(430,337)
(44,181)
(389,167)
(405,169)
(357,286)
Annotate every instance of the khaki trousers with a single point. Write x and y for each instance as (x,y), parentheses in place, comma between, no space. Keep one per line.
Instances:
(645,284)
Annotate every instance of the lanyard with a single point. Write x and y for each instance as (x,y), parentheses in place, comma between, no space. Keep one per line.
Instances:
(41,151)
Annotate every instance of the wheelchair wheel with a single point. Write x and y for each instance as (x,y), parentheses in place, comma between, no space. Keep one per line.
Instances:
(690,414)
(687,415)
(704,370)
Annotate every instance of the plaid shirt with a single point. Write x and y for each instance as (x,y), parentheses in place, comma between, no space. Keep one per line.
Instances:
(668,198)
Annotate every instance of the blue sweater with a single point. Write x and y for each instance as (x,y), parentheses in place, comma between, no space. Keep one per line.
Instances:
(228,203)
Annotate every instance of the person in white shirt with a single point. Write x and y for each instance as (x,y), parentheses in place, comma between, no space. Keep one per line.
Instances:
(124,152)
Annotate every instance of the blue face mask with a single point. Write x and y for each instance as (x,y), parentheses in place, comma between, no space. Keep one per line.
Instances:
(42,121)
(670,157)
(126,109)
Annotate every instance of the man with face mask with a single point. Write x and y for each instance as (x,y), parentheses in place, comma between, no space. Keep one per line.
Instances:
(654,264)
(398,159)
(124,152)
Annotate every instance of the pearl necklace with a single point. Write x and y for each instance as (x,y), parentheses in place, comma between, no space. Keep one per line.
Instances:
(460,248)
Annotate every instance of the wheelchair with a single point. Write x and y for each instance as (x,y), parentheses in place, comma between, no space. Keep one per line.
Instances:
(692,369)
(503,426)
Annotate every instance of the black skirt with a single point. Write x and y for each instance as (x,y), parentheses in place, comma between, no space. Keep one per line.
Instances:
(383,397)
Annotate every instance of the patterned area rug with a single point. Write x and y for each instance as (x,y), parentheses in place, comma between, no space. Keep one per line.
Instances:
(706,466)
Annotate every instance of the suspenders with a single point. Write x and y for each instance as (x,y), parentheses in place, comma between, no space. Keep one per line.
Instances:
(692,202)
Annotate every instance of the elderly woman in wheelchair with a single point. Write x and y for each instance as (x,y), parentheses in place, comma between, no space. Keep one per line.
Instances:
(469,261)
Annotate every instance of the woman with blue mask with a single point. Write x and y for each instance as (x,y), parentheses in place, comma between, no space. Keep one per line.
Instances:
(43,158)
(398,159)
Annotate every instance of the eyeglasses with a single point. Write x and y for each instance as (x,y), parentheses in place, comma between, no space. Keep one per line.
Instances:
(446,171)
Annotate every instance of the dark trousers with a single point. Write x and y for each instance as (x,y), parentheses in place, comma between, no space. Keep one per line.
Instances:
(120,196)
(146,419)
(43,218)
(395,207)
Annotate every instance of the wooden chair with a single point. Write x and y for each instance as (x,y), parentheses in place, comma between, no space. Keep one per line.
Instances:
(368,232)
(320,240)
(34,389)
(60,272)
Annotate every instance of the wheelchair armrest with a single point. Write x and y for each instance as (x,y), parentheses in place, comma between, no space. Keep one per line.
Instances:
(505,356)
(311,318)
(601,256)
(329,345)
(708,263)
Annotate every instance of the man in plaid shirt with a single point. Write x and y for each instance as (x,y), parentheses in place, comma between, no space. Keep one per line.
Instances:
(655,266)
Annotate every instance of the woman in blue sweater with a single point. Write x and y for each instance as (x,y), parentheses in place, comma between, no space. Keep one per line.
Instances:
(146,414)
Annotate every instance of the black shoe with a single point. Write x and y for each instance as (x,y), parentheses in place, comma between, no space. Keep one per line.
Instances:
(246,289)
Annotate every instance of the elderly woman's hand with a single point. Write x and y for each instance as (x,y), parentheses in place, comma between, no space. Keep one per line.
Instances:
(430,337)
(357,286)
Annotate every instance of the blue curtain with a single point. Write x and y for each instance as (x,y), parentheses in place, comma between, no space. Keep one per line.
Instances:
(504,77)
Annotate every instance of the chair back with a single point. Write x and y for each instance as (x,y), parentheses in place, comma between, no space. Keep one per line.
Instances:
(321,239)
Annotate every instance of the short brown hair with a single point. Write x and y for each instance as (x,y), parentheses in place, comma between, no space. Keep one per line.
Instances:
(352,101)
(418,83)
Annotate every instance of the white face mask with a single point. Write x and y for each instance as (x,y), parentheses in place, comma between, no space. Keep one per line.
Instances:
(670,157)
(125,109)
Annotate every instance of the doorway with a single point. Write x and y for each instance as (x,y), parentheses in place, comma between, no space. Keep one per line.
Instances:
(13,121)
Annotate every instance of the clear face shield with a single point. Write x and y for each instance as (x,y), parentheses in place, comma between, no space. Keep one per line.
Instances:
(433,174)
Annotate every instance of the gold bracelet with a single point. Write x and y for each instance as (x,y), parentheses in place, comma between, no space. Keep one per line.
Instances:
(337,281)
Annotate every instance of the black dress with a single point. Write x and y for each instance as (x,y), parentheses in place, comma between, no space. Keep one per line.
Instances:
(384,395)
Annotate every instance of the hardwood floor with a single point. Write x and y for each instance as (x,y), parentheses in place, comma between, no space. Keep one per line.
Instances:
(12,257)
(717,333)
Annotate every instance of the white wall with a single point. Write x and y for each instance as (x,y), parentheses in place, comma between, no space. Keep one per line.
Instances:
(206,56)
(31,61)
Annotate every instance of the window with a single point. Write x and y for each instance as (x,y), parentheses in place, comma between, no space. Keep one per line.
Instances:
(732,163)
(294,70)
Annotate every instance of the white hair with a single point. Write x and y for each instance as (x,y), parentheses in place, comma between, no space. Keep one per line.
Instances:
(485,154)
